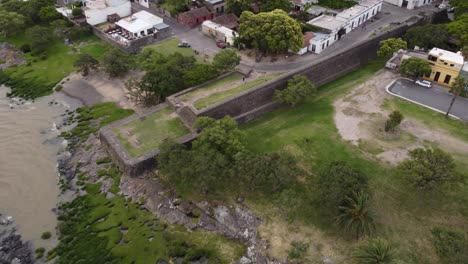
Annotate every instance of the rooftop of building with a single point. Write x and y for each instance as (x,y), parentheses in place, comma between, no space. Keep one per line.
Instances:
(352,12)
(219,28)
(369,3)
(198,12)
(307,37)
(417,54)
(139,21)
(101,4)
(213,2)
(328,22)
(447,55)
(228,20)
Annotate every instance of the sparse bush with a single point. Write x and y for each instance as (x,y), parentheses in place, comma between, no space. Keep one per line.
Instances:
(39,252)
(393,121)
(298,250)
(46,235)
(374,251)
(450,245)
(356,216)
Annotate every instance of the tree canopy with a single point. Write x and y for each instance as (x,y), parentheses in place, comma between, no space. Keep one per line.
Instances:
(226,60)
(11,23)
(85,63)
(39,37)
(428,168)
(237,6)
(427,36)
(116,63)
(270,5)
(415,67)
(389,46)
(299,88)
(272,32)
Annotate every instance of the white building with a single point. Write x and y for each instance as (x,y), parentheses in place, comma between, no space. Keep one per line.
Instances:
(409,4)
(96,11)
(219,32)
(334,27)
(141,24)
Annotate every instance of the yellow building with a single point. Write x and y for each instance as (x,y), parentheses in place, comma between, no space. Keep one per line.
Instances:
(446,66)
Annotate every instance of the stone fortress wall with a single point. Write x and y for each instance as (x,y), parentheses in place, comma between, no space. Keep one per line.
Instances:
(257,101)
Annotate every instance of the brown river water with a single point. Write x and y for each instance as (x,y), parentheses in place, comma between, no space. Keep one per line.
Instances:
(28,163)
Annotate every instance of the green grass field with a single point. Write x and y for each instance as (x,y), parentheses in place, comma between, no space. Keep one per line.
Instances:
(169,46)
(39,76)
(141,136)
(220,96)
(205,89)
(405,215)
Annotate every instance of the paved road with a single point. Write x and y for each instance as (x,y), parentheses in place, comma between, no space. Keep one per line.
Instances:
(437,97)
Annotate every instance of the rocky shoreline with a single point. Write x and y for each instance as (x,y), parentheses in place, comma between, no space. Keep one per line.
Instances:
(13,250)
(232,221)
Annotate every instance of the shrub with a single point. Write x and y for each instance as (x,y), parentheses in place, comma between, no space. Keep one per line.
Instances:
(58,88)
(25,48)
(356,216)
(450,245)
(77,12)
(374,251)
(46,235)
(298,250)
(393,121)
(299,88)
(39,252)
(103,160)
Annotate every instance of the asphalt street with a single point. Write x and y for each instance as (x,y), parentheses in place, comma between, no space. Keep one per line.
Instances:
(436,97)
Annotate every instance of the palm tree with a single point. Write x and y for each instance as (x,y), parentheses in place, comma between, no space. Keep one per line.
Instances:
(355,215)
(457,88)
(374,251)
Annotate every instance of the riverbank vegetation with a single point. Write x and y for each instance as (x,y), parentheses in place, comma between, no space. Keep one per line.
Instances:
(310,186)
(103,227)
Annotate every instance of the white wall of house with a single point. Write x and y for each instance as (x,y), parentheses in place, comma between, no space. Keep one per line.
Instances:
(218,32)
(98,16)
(144,3)
(410,4)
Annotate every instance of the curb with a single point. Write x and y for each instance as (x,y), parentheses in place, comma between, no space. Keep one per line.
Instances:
(387,88)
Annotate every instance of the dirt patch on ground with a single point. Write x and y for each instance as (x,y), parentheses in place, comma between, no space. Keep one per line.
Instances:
(322,248)
(360,118)
(98,87)
(10,56)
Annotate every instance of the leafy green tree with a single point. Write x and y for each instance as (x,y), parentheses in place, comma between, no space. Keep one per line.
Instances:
(271,32)
(423,36)
(49,13)
(428,168)
(374,251)
(116,63)
(389,46)
(355,216)
(270,5)
(299,88)
(85,63)
(337,3)
(272,172)
(199,74)
(337,181)
(77,12)
(237,6)
(415,67)
(11,23)
(226,60)
(450,245)
(457,88)
(159,82)
(459,29)
(393,121)
(39,37)
(220,134)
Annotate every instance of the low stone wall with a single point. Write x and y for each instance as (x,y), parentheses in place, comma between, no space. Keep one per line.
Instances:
(126,163)
(134,46)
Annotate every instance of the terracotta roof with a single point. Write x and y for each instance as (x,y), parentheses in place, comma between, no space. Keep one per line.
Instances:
(227,20)
(307,37)
(198,12)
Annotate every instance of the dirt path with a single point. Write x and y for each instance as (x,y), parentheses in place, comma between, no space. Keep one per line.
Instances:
(98,87)
(360,118)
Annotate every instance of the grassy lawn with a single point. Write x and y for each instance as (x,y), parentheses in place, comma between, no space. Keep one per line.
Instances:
(141,136)
(40,75)
(169,46)
(220,96)
(219,83)
(405,215)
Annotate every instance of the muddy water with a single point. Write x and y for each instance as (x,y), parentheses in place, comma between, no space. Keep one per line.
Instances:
(28,158)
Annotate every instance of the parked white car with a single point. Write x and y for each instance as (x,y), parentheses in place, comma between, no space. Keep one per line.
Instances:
(424,83)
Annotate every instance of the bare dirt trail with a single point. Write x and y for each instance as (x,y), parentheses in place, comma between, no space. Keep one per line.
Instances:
(360,116)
